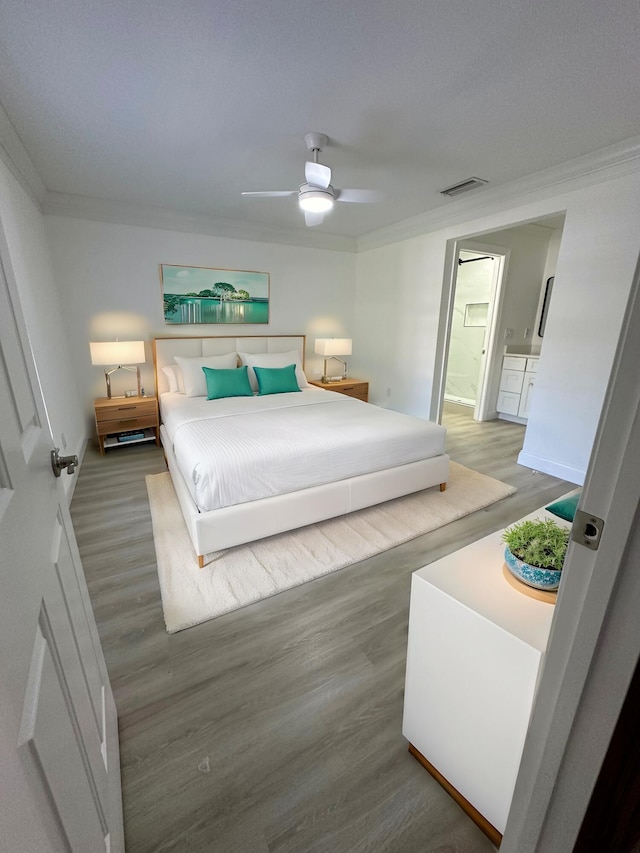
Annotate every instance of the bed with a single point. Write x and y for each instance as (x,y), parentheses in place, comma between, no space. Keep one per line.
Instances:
(250,466)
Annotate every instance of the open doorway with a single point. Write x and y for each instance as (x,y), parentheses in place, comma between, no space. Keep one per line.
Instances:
(477,285)
(527,254)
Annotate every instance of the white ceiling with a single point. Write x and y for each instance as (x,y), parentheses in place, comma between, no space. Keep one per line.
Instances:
(183,105)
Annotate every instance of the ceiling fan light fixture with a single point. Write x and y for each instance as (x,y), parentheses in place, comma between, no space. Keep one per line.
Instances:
(315,201)
(316,195)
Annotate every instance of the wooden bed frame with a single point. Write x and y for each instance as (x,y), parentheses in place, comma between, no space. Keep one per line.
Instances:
(236,525)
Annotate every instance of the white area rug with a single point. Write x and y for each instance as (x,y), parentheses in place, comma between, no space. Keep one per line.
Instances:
(239,576)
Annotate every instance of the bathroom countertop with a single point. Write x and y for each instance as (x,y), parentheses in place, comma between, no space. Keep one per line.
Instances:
(522,350)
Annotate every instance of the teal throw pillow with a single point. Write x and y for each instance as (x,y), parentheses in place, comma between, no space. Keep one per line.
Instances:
(566,507)
(233,382)
(276,380)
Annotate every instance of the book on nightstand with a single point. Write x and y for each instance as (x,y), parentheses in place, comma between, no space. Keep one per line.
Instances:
(130,436)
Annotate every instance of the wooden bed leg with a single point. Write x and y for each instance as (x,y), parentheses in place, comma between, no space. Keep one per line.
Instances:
(201,561)
(443,486)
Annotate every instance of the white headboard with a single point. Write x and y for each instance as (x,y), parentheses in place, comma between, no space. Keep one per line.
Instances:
(164,349)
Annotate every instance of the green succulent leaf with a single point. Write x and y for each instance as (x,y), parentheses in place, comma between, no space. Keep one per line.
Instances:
(540,542)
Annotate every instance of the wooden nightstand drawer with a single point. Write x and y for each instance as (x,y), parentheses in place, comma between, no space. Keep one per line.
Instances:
(350,387)
(358,389)
(126,414)
(126,424)
(124,410)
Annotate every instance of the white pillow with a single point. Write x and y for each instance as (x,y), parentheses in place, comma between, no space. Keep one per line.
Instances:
(174,378)
(273,359)
(195,384)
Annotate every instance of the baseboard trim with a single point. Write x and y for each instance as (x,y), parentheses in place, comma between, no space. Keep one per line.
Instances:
(70,483)
(460,401)
(480,820)
(555,469)
(514,419)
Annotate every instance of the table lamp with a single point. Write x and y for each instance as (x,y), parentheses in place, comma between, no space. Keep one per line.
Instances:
(332,348)
(122,354)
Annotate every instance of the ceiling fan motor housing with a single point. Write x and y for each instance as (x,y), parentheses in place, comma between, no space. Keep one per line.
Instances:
(316,141)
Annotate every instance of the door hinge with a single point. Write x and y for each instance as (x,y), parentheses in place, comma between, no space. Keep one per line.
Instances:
(587,529)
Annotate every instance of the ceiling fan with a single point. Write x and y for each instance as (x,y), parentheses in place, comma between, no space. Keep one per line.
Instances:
(316,195)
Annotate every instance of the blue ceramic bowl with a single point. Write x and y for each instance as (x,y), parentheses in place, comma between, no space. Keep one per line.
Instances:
(546,579)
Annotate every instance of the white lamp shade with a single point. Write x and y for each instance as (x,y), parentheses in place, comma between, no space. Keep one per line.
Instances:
(117,352)
(333,346)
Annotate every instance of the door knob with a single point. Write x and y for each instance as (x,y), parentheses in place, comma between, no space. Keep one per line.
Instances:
(58,463)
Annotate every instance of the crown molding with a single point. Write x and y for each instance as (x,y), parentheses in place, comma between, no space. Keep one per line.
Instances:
(103,210)
(605,164)
(16,158)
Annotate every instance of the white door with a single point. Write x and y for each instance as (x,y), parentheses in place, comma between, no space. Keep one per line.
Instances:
(595,635)
(59,762)
(484,406)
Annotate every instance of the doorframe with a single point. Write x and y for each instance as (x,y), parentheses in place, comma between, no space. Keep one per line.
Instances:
(443,342)
(481,411)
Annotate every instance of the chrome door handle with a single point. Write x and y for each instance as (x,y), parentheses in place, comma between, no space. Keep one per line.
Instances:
(58,463)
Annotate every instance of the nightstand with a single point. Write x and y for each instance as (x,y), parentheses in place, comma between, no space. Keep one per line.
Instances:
(351,387)
(126,415)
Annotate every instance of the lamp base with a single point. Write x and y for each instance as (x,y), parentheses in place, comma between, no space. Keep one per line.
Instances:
(326,378)
(108,373)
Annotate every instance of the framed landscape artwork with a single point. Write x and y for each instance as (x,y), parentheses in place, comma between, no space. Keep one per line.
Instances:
(207,295)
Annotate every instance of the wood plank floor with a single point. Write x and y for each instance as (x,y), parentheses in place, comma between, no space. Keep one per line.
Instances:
(277,728)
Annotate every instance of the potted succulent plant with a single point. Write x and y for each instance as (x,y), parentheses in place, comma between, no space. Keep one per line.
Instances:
(535,552)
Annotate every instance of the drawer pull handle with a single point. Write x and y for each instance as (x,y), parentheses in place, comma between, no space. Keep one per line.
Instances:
(125,408)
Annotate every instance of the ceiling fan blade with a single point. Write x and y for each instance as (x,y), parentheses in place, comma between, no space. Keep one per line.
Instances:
(313,218)
(357,196)
(272,194)
(317,174)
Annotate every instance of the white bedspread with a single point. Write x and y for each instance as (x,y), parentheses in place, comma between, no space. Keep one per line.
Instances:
(242,449)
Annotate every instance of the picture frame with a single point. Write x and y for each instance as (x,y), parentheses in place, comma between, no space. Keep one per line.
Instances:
(545,306)
(214,295)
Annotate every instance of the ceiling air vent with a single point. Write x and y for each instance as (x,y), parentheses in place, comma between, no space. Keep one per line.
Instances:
(464,186)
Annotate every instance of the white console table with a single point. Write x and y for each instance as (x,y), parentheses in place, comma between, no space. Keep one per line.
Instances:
(475,651)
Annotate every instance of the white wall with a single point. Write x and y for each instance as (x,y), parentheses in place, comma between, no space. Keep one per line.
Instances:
(593,278)
(108,277)
(399,299)
(397,306)
(398,292)
(48,324)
